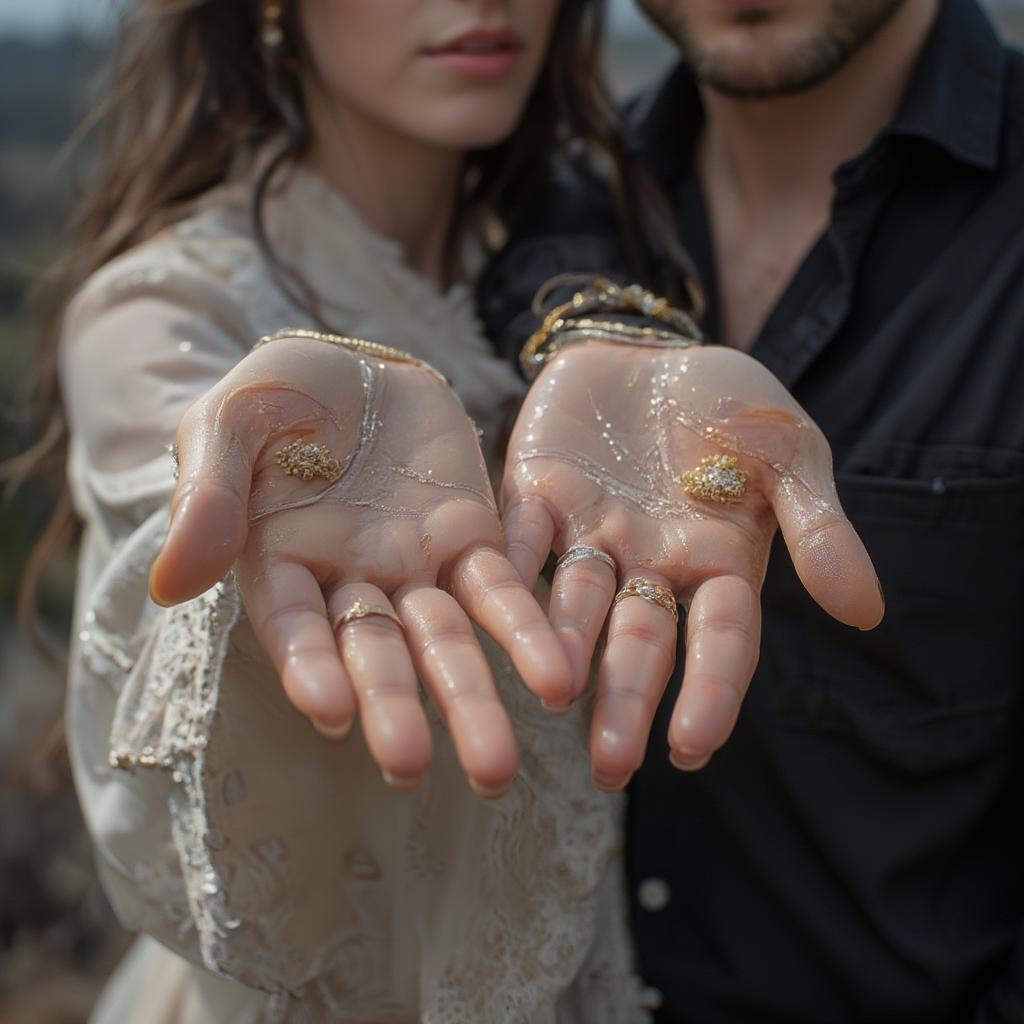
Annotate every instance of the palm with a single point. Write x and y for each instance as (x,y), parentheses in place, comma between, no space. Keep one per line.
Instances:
(596,459)
(403,519)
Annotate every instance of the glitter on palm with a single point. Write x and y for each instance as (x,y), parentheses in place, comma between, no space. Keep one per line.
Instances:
(717,478)
(307,460)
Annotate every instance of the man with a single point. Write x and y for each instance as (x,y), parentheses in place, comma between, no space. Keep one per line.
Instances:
(848,177)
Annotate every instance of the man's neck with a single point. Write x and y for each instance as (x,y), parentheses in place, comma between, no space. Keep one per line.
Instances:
(403,188)
(781,151)
(766,167)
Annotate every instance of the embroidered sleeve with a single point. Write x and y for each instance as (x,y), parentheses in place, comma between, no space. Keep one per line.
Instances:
(233,833)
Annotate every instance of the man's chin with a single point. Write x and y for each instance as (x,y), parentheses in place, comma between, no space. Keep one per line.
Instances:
(761,52)
(762,76)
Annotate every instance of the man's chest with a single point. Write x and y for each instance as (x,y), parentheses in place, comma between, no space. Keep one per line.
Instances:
(898,322)
(753,261)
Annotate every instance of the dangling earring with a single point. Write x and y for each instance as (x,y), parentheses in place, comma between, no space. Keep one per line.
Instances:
(272,33)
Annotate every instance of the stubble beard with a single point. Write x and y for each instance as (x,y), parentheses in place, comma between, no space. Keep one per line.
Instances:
(849,25)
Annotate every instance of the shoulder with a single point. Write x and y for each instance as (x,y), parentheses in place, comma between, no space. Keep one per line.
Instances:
(562,221)
(192,266)
(148,333)
(564,195)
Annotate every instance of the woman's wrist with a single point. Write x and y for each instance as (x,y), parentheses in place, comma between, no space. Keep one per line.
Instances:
(605,312)
(359,346)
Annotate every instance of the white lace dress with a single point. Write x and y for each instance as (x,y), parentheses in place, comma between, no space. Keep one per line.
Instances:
(280,878)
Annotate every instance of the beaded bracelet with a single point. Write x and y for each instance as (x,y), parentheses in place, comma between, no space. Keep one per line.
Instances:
(568,324)
(360,346)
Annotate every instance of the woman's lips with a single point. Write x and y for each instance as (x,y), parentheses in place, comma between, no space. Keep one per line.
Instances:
(479,53)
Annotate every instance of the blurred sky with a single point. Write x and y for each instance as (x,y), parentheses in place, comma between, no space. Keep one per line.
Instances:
(42,17)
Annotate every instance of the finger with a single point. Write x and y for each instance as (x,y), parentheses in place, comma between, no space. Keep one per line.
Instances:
(723,635)
(827,553)
(209,509)
(288,614)
(635,667)
(377,662)
(581,595)
(449,660)
(489,588)
(529,530)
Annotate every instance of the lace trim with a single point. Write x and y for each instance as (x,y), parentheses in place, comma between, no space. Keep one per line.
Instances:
(543,934)
(556,841)
(163,720)
(163,715)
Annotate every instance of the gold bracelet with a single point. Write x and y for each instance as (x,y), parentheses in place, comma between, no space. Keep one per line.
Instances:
(627,331)
(360,346)
(574,331)
(643,337)
(603,295)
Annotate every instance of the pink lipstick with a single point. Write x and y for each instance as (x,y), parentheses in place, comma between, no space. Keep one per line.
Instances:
(479,53)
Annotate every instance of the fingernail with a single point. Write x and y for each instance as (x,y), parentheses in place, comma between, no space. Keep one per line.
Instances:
(155,596)
(179,504)
(488,792)
(178,507)
(332,732)
(609,785)
(399,782)
(687,762)
(556,709)
(881,595)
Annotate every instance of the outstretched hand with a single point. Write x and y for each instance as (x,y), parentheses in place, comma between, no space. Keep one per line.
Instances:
(607,455)
(351,498)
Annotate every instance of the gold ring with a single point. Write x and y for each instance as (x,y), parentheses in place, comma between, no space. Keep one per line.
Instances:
(717,478)
(306,460)
(361,610)
(638,586)
(581,552)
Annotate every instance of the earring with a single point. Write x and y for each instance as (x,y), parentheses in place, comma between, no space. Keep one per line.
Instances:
(272,33)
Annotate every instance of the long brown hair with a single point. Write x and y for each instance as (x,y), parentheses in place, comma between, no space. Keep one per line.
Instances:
(192,85)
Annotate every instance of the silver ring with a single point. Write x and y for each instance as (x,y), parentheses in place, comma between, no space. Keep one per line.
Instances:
(581,552)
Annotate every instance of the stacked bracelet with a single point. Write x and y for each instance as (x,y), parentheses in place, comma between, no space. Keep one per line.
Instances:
(568,323)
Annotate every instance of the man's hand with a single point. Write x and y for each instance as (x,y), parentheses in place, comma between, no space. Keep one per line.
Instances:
(334,483)
(599,458)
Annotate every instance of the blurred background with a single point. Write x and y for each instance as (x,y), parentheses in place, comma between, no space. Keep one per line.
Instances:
(58,940)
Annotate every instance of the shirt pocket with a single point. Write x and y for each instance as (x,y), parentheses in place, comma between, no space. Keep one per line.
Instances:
(934,685)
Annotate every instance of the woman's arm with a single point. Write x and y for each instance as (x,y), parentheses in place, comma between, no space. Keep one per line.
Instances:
(224,825)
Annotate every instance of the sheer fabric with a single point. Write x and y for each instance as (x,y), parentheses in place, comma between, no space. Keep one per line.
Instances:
(280,877)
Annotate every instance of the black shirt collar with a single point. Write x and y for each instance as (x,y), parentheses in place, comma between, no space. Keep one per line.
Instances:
(954,100)
(955,96)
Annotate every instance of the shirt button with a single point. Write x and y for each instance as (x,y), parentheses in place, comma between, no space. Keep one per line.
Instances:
(651,998)
(654,894)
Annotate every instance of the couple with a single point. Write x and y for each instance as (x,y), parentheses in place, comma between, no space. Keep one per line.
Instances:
(326,165)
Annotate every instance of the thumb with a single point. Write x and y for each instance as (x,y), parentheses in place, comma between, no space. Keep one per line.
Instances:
(829,556)
(209,510)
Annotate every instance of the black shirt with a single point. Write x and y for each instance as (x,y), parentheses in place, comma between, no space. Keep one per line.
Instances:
(856,851)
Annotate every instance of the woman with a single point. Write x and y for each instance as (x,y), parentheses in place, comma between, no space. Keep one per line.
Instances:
(323,164)
(341,181)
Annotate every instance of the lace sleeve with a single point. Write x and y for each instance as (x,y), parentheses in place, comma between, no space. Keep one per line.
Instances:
(283,861)
(142,340)
(229,830)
